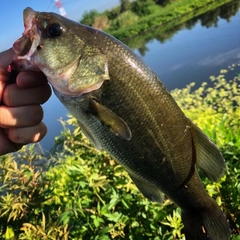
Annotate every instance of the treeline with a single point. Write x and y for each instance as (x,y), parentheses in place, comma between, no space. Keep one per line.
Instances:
(131,18)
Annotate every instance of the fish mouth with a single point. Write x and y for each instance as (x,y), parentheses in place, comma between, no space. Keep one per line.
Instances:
(27,45)
(26,49)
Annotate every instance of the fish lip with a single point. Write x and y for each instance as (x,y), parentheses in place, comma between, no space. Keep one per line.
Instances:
(27,45)
(29,18)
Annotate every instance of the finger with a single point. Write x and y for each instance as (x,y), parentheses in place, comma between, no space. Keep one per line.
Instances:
(27,134)
(3,78)
(31,79)
(4,74)
(7,145)
(24,116)
(14,96)
(6,58)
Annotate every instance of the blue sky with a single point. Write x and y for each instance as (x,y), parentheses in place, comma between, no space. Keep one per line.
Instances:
(11,24)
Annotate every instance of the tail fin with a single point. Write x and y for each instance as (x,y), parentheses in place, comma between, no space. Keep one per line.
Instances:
(210,225)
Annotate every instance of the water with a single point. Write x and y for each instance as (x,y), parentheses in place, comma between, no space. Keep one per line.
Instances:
(191,54)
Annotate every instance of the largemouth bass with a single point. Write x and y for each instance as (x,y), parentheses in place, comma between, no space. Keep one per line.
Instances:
(123,108)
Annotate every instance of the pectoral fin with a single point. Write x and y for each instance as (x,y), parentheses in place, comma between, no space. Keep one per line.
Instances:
(90,73)
(115,123)
(208,158)
(148,190)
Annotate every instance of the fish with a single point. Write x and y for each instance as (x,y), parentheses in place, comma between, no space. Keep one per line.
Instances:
(123,108)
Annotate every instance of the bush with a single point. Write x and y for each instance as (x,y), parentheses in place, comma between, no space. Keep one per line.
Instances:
(77,192)
(124,19)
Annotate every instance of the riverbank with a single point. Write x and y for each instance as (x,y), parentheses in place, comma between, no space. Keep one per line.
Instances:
(174,13)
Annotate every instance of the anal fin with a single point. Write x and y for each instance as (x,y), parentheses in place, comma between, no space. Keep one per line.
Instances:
(92,139)
(208,157)
(148,190)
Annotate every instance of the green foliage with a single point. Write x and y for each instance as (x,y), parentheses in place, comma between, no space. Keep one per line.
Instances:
(125,5)
(76,192)
(88,17)
(124,19)
(153,15)
(113,13)
(143,7)
(101,22)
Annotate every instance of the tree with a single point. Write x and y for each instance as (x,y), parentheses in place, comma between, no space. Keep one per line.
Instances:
(125,5)
(163,2)
(141,7)
(89,17)
(101,22)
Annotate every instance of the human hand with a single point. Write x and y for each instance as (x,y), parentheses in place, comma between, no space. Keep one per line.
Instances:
(20,110)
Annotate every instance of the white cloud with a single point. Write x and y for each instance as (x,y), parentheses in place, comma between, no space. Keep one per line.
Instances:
(220,58)
(177,66)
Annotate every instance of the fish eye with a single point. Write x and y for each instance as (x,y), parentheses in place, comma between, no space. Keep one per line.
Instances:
(54,30)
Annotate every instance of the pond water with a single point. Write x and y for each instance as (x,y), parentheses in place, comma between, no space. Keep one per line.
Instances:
(190,52)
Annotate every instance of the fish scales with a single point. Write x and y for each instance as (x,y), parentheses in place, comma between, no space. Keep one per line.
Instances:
(141,155)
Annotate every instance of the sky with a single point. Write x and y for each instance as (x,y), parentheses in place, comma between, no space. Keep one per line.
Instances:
(11,24)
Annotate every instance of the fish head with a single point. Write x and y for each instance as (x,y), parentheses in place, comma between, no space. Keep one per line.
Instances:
(58,47)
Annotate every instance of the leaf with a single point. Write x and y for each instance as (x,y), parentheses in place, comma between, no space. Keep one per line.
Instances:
(97,221)
(65,217)
(125,204)
(9,233)
(105,230)
(43,221)
(114,216)
(219,201)
(238,188)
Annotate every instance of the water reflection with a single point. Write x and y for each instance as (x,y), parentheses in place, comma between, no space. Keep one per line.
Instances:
(211,18)
(166,32)
(196,52)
